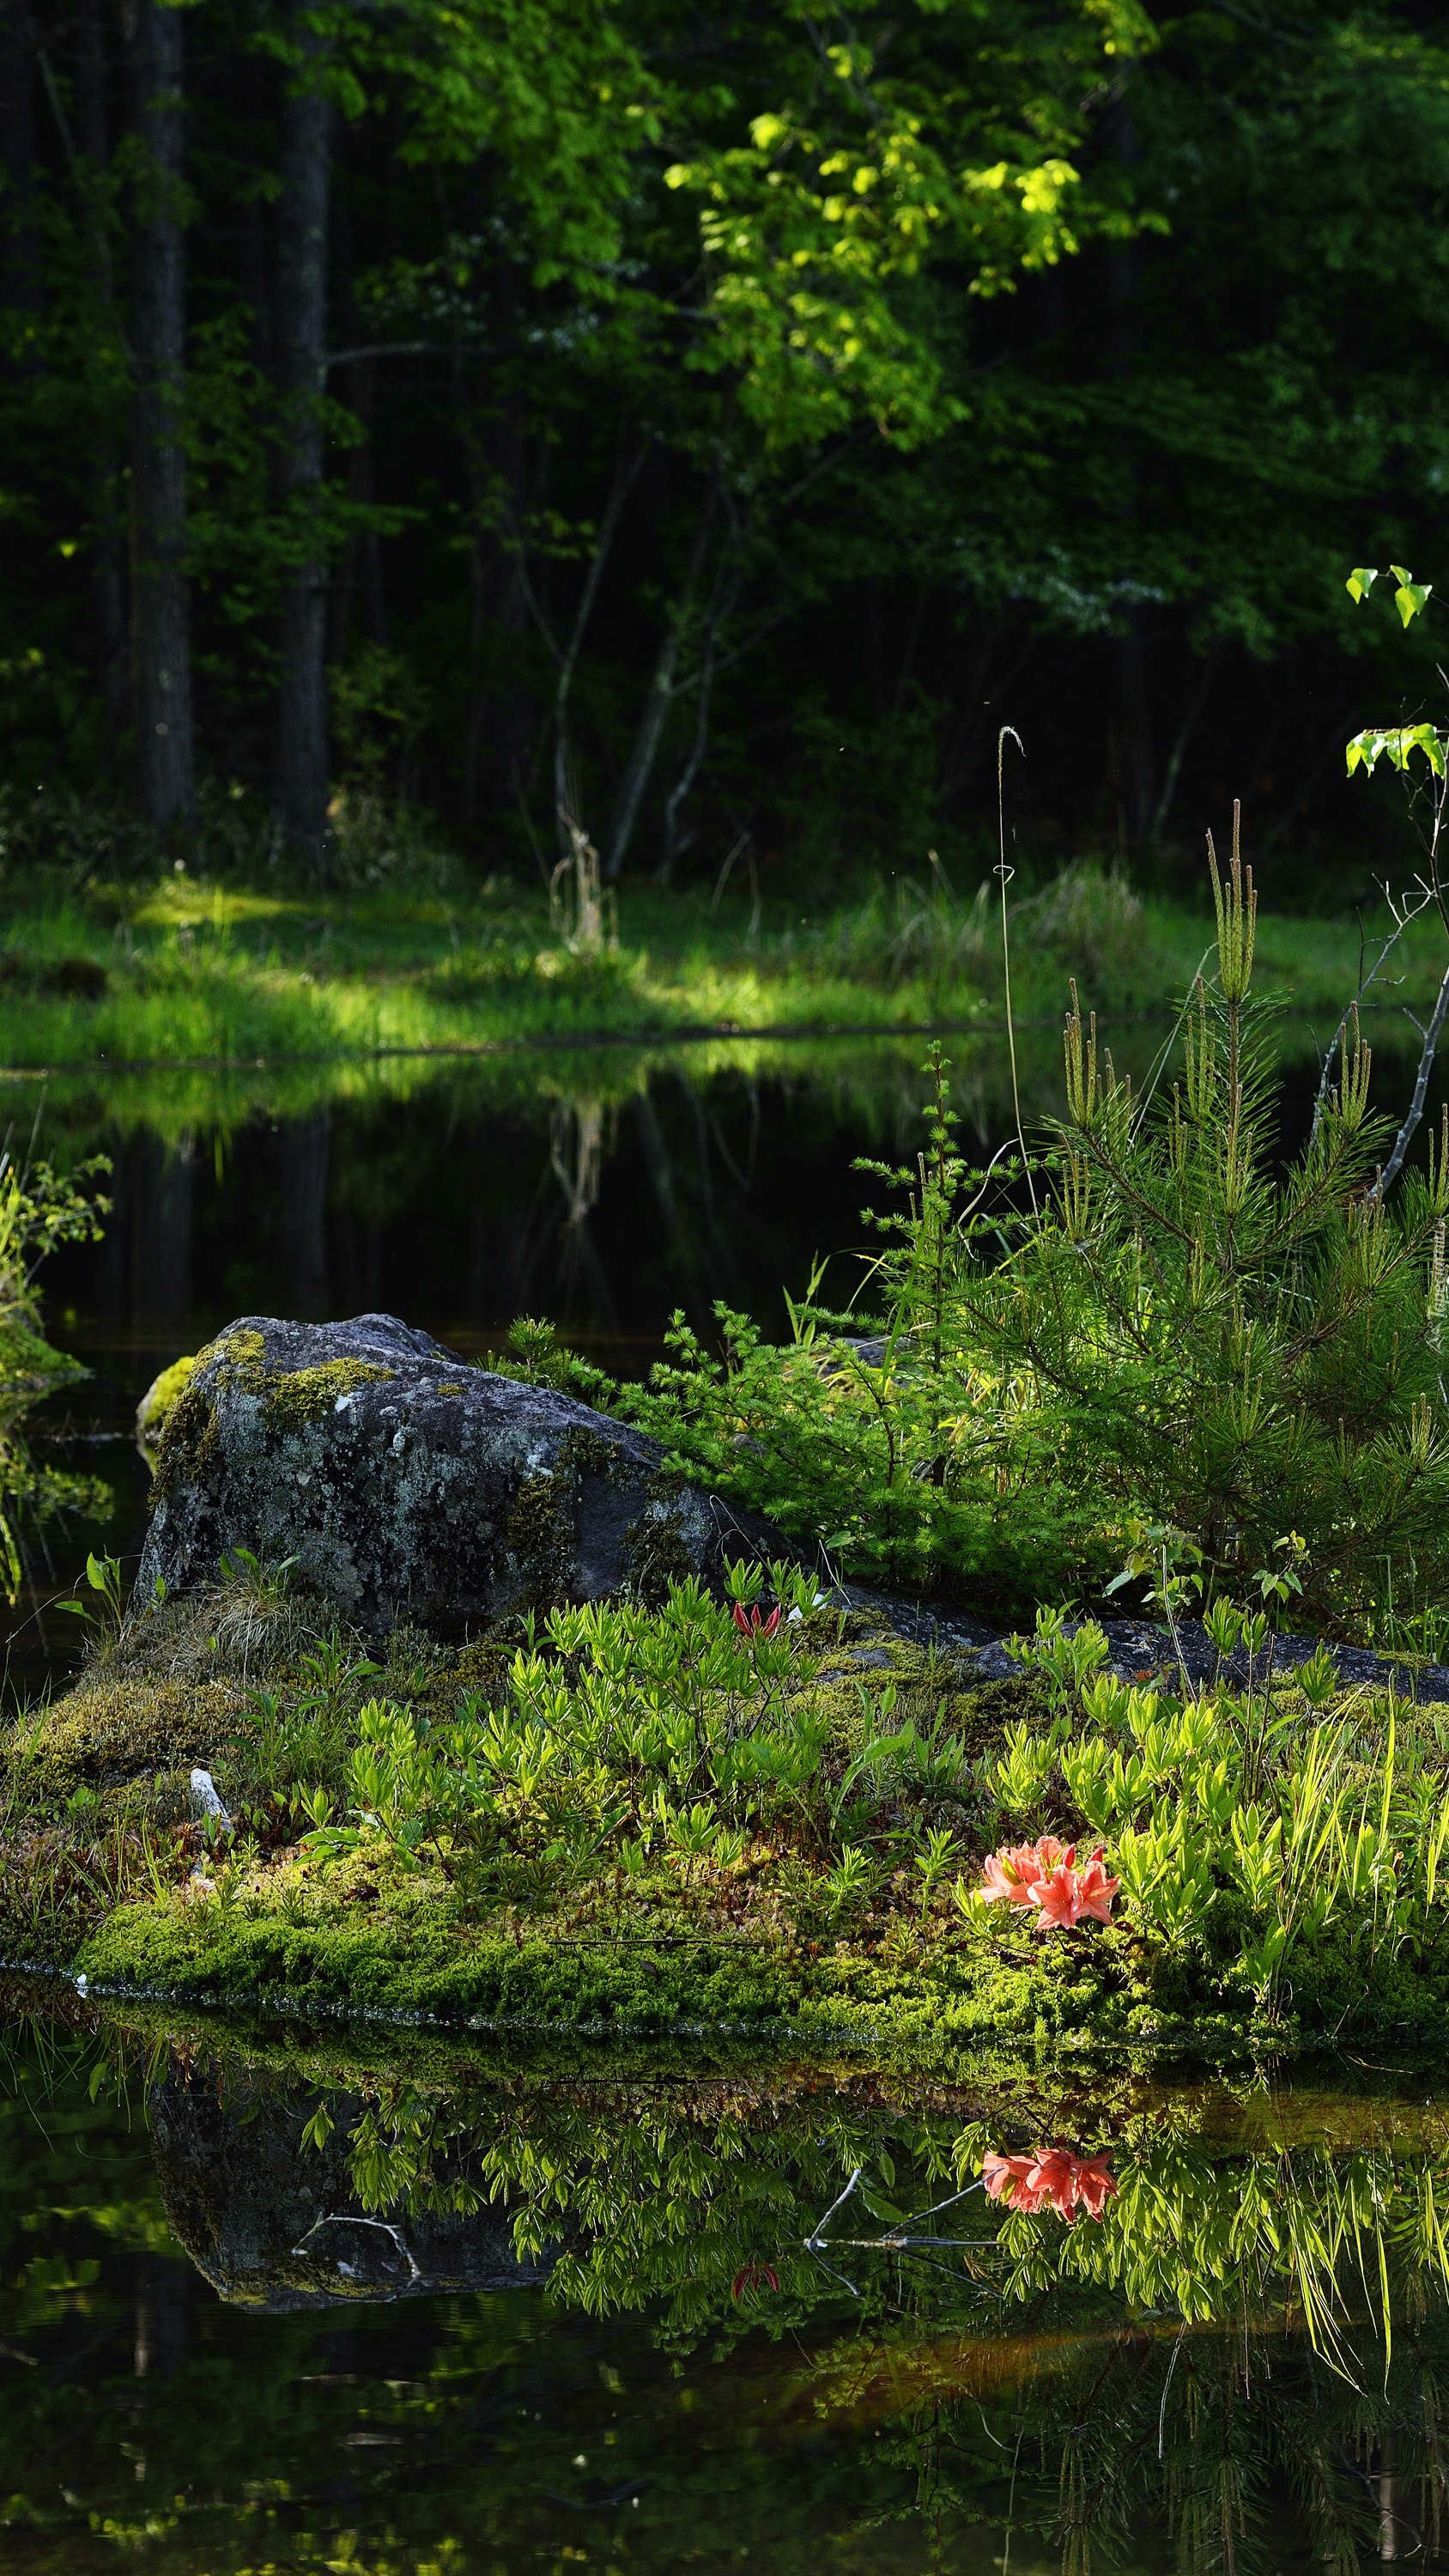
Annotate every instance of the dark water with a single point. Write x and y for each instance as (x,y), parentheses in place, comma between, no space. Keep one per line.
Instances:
(226,2347)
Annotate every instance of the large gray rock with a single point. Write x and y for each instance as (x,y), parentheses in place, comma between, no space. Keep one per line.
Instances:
(406,1484)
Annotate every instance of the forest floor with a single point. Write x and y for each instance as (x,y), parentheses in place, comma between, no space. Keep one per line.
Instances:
(227,974)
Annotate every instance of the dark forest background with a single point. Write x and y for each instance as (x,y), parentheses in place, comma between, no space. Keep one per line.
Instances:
(713,423)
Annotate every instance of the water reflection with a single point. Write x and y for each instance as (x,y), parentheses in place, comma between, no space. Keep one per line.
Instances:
(445,2318)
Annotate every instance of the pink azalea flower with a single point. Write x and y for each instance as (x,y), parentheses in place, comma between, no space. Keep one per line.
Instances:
(1095,1890)
(1013,1872)
(1055,2178)
(1055,1898)
(1005,1880)
(1047,1875)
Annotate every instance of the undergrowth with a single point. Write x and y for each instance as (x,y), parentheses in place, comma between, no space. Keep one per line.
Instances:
(1148,1340)
(633,1818)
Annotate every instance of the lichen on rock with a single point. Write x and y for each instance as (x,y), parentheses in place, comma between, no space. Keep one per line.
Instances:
(401,1483)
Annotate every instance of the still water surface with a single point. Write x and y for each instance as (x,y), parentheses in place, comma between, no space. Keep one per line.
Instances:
(504,2319)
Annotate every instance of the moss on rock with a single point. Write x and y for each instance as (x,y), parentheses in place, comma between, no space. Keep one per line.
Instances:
(298,1396)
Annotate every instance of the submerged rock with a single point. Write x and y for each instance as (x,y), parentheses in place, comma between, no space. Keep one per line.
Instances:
(270,2219)
(403,1483)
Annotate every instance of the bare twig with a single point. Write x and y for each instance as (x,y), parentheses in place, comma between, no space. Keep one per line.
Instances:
(1404,911)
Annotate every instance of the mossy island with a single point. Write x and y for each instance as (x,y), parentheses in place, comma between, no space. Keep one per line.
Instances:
(719,1797)
(512,1697)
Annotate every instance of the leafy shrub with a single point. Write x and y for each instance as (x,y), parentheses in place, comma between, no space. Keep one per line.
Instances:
(1153,1328)
(1282,1841)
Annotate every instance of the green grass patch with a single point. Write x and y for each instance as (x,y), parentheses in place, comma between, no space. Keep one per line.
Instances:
(226,974)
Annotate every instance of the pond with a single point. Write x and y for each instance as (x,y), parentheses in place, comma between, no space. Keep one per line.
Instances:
(282,2297)
(602,1187)
(277,2299)
(602,1195)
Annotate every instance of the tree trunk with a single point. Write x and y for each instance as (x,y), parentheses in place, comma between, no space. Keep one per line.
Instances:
(20,241)
(650,730)
(109,539)
(1136,757)
(500,732)
(356,580)
(160,608)
(301,313)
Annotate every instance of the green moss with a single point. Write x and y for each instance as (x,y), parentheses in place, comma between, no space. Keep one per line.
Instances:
(28,1364)
(296,1397)
(587,1453)
(161,1398)
(654,1545)
(189,1435)
(114,1728)
(481,1671)
(539,1537)
(243,1354)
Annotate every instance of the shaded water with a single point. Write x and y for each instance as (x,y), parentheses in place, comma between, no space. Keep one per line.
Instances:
(273,2302)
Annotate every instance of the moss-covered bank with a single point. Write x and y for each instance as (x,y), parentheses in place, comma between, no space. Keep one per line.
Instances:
(635,1822)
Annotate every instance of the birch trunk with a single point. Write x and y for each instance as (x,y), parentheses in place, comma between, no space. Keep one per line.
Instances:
(650,730)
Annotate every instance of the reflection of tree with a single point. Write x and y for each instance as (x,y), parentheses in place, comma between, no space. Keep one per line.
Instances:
(576,1149)
(31,1498)
(1145,2392)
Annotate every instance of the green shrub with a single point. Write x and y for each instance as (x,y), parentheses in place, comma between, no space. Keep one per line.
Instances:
(1152,1328)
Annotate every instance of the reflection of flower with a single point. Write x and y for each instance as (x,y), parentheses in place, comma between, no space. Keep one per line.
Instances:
(751,2276)
(1046,1874)
(751,1625)
(1055,2178)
